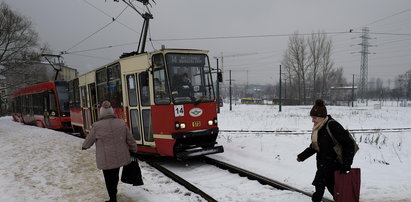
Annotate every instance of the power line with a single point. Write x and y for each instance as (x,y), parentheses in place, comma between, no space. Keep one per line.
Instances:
(111,17)
(78,43)
(272,35)
(241,37)
(90,56)
(100,48)
(381,19)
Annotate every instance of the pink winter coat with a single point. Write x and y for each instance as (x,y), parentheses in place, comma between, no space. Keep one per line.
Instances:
(113,140)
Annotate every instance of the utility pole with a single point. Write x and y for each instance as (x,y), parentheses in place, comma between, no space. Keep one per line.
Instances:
(364,63)
(231,108)
(279,106)
(352,91)
(218,89)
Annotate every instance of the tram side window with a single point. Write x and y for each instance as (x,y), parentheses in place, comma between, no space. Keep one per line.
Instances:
(74,93)
(115,95)
(101,80)
(71,92)
(147,126)
(131,88)
(109,85)
(144,89)
(52,104)
(102,93)
(161,92)
(83,96)
(135,127)
(19,104)
(37,104)
(114,88)
(26,104)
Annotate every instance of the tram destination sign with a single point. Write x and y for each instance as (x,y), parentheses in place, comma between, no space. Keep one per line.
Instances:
(186,59)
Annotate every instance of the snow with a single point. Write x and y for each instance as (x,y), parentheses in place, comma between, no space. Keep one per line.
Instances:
(44,165)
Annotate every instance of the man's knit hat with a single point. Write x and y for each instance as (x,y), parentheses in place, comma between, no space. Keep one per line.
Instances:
(319,109)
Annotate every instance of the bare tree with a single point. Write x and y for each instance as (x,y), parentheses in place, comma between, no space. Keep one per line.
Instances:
(296,61)
(326,66)
(316,44)
(18,45)
(17,38)
(18,49)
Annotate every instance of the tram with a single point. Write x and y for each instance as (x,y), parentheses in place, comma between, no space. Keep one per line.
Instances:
(44,105)
(166,97)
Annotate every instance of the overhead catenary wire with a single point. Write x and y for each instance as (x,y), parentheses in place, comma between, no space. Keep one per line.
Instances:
(384,18)
(111,17)
(100,48)
(90,56)
(78,43)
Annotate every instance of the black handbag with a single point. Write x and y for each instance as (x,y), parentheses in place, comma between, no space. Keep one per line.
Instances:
(131,173)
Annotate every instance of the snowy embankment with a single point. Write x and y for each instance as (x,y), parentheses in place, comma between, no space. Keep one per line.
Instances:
(44,165)
(384,157)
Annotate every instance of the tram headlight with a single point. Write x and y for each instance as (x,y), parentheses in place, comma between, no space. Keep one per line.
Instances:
(179,125)
(212,122)
(182,125)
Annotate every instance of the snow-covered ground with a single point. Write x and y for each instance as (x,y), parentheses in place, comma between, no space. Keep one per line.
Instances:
(44,165)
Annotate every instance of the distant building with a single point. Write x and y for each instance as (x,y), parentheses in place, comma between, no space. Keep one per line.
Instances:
(343,95)
(65,73)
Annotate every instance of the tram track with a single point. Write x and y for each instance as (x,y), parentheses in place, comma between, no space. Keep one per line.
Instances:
(253,176)
(224,166)
(179,179)
(302,132)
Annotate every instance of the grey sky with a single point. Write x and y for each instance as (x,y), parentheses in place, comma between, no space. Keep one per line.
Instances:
(63,24)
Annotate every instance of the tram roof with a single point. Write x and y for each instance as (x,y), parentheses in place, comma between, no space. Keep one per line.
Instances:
(134,55)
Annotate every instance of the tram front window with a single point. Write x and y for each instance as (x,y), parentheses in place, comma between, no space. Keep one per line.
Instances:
(62,93)
(190,78)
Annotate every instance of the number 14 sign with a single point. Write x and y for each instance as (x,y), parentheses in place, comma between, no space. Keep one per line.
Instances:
(178,110)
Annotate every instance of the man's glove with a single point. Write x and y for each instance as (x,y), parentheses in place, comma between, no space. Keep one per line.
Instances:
(83,148)
(345,169)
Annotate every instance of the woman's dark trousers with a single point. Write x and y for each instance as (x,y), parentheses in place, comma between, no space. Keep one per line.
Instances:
(319,192)
(111,178)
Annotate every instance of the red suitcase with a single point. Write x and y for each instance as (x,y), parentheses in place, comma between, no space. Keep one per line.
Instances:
(347,186)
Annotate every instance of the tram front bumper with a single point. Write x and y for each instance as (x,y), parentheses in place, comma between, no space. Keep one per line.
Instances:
(199,152)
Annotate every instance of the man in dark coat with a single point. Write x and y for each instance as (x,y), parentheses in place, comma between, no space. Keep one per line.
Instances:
(322,144)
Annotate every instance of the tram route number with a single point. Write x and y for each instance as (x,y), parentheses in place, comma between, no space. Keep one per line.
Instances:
(178,110)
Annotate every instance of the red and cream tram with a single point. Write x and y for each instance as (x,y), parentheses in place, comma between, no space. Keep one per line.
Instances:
(166,97)
(43,104)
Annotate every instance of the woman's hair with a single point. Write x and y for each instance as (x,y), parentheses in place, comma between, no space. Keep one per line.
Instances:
(106,109)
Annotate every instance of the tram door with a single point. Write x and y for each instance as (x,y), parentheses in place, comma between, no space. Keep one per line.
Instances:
(46,108)
(93,101)
(86,109)
(138,91)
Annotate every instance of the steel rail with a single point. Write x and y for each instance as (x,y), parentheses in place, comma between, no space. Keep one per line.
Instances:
(179,180)
(376,130)
(253,176)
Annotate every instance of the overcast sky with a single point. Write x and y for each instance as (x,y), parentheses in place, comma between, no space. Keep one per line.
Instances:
(251,35)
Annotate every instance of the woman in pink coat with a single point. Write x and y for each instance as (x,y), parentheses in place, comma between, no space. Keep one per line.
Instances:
(113,144)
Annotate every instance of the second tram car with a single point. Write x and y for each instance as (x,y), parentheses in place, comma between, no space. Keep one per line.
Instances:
(166,97)
(44,104)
